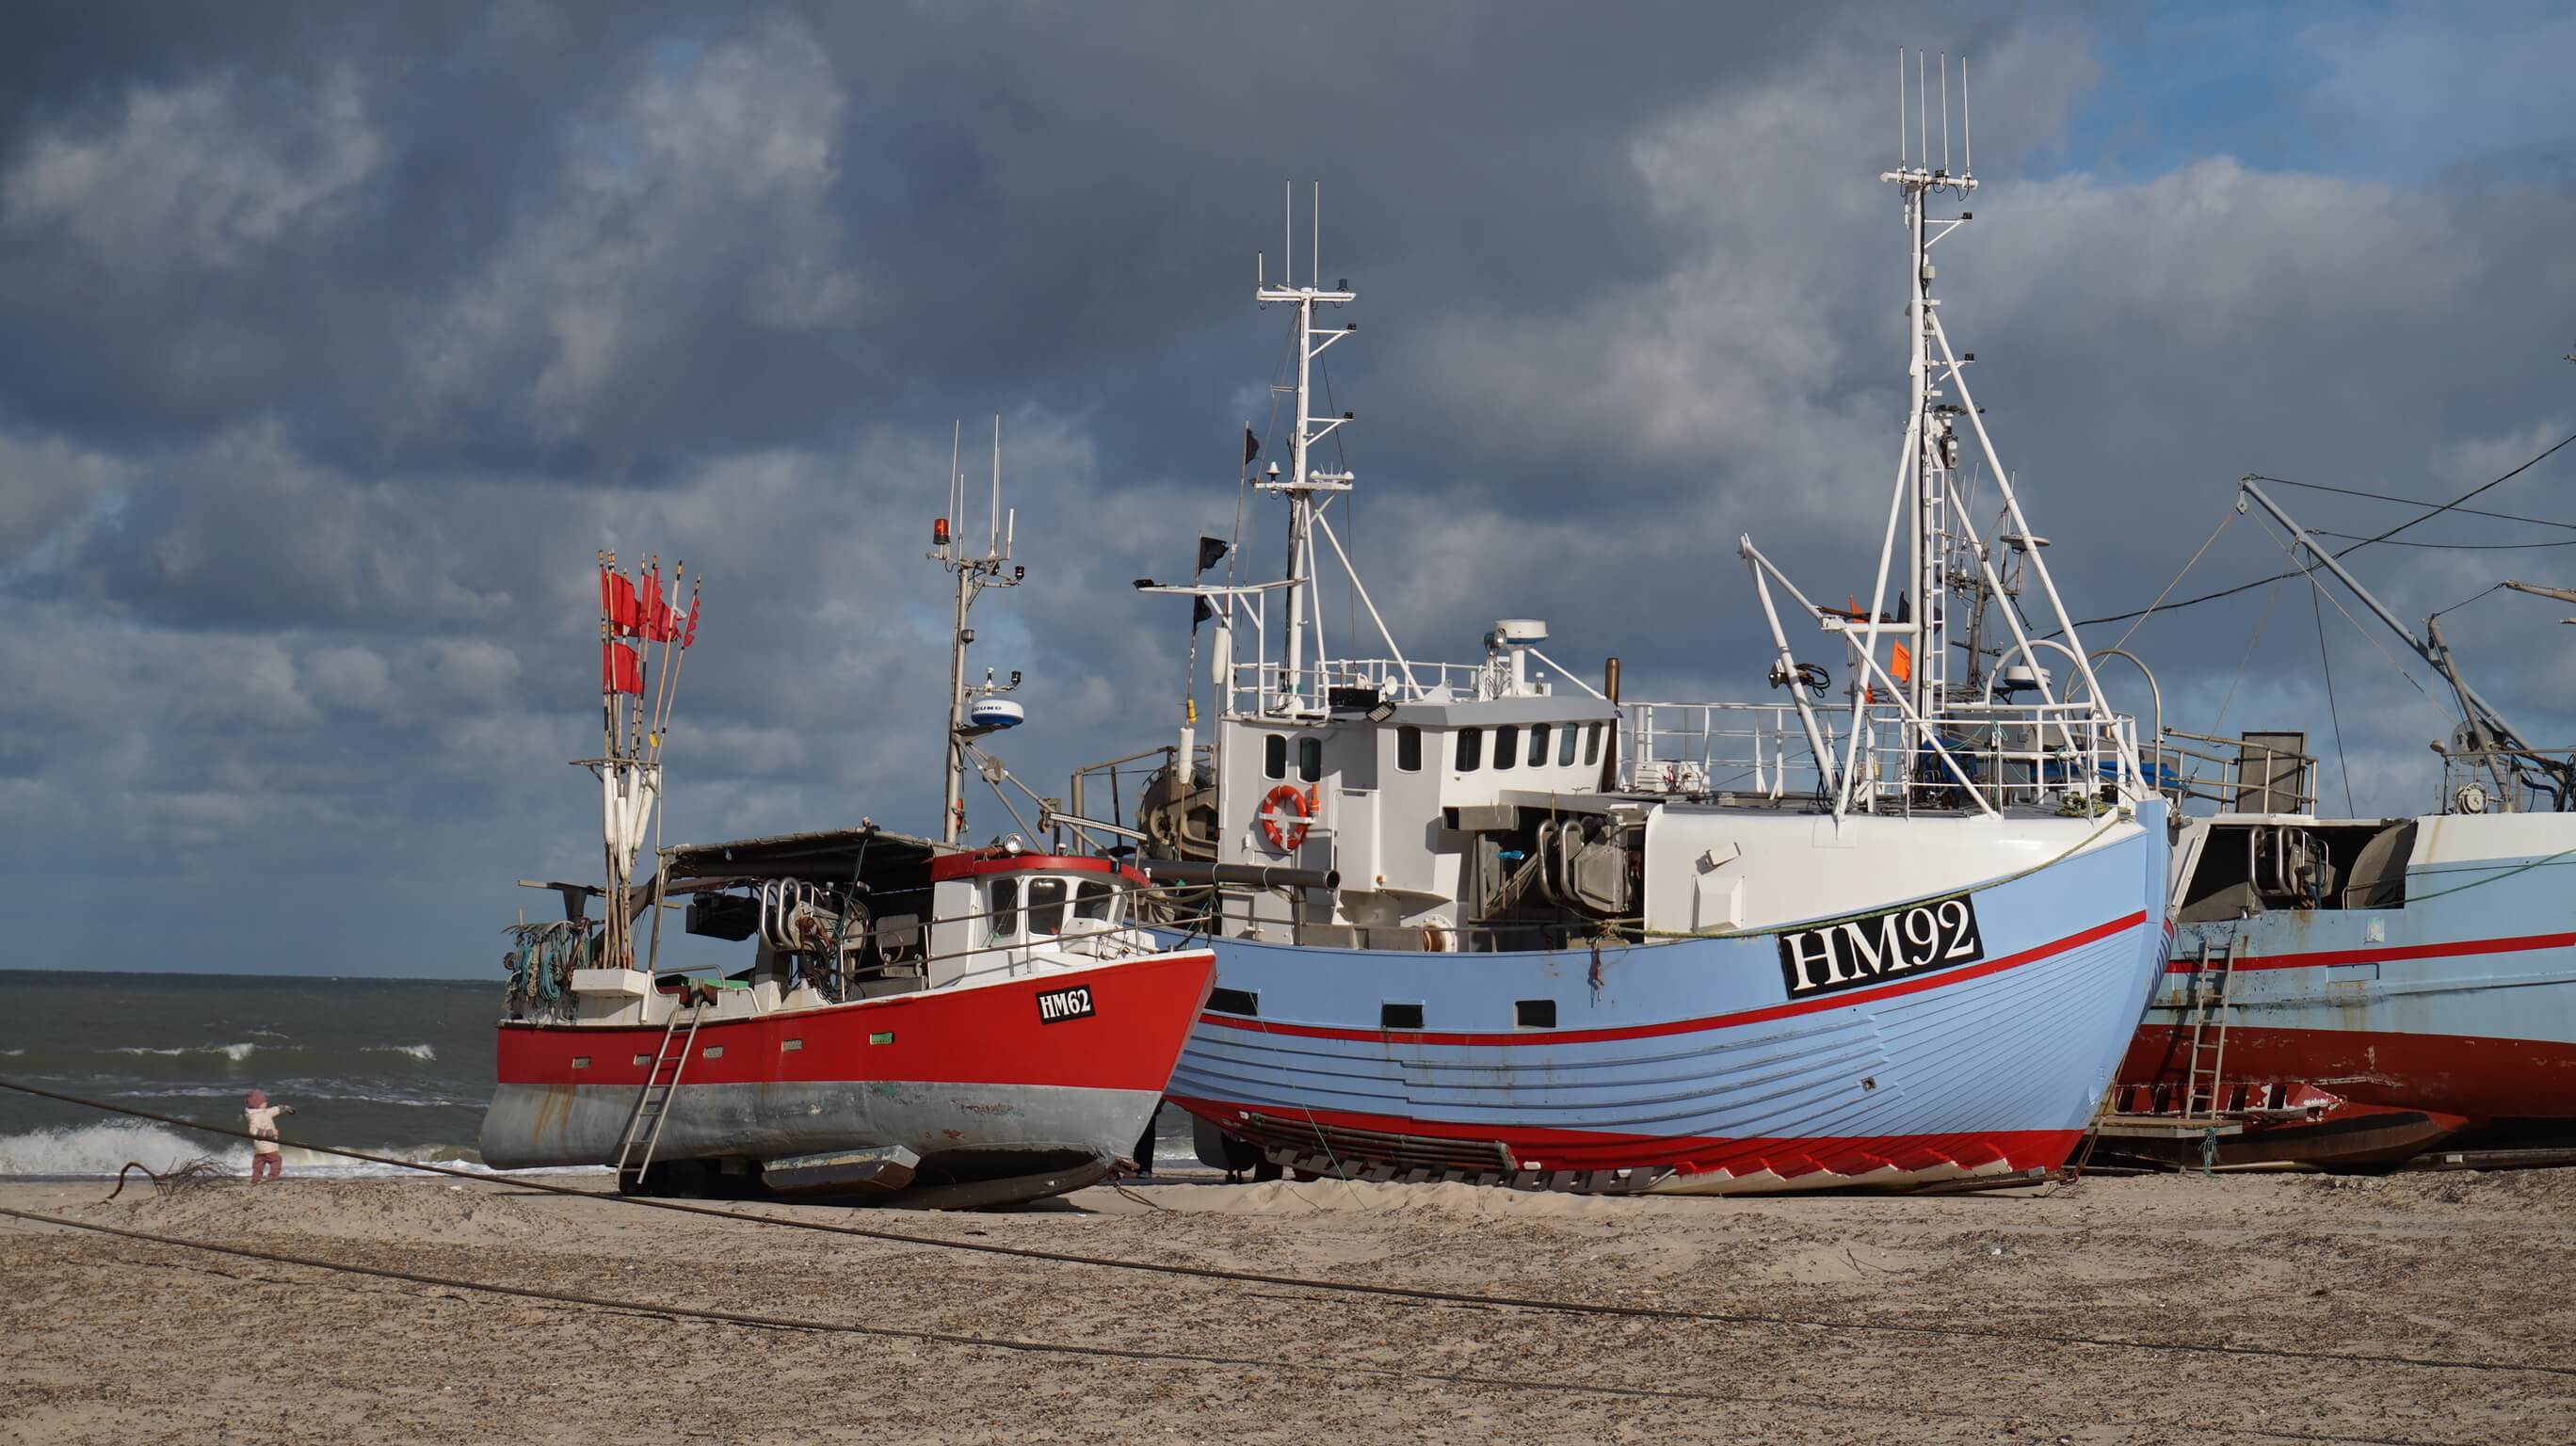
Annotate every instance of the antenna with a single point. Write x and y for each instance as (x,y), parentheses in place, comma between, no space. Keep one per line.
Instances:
(1315,252)
(1288,229)
(1914,132)
(956,481)
(1967,137)
(993,547)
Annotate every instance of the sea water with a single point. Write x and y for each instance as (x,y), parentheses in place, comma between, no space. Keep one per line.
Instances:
(398,1067)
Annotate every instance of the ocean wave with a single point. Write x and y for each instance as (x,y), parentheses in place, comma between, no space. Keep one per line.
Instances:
(234,1052)
(290,1091)
(416,1051)
(99,1151)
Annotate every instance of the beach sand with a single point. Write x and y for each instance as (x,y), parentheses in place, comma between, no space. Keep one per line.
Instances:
(115,1340)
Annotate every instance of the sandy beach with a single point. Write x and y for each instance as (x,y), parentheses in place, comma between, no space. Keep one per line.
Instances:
(113,1339)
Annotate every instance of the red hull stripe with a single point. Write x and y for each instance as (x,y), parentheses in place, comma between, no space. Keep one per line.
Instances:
(2460,1074)
(993,1034)
(2386,953)
(1539,1148)
(1687,1026)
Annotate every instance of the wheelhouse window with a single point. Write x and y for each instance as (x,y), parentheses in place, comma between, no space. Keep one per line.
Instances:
(1310,759)
(1002,905)
(1091,900)
(1408,748)
(1046,906)
(1507,745)
(1538,745)
(1471,749)
(1274,756)
(1591,743)
(1565,745)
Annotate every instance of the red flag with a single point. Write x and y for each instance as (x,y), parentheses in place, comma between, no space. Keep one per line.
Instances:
(618,670)
(617,599)
(653,616)
(689,630)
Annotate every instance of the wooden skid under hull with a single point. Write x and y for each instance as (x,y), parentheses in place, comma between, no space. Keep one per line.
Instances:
(1398,1151)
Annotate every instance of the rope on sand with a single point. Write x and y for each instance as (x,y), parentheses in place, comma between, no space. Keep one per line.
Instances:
(186,1175)
(1338,1370)
(1364,1288)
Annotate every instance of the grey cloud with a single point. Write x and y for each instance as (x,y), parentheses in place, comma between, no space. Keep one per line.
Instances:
(336,345)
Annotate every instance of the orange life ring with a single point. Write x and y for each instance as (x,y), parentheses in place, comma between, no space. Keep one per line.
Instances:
(1300,802)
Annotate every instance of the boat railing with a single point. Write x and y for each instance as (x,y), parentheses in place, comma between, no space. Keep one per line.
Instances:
(1267,688)
(1968,755)
(2246,774)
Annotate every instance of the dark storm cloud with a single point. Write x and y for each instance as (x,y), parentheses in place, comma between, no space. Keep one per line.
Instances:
(332,341)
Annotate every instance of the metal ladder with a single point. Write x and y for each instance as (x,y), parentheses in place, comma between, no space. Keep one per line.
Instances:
(653,1101)
(2203,1083)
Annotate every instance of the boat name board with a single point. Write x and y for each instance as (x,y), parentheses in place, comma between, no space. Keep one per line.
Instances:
(1919,938)
(1055,1006)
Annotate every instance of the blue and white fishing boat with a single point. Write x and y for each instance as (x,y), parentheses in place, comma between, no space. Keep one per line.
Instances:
(1483,921)
(2354,991)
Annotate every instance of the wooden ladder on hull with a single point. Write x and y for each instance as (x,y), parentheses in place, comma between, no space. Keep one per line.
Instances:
(2204,1085)
(653,1101)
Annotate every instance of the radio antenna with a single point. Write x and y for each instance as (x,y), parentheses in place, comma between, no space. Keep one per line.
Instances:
(1967,136)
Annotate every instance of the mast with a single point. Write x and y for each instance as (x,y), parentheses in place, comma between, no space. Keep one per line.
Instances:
(1941,543)
(973,574)
(1933,459)
(1303,482)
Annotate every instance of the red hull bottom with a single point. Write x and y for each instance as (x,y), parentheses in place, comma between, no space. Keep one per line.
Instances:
(2472,1077)
(1385,1147)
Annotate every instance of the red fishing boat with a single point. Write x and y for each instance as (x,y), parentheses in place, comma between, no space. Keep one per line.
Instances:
(918,1021)
(1015,1045)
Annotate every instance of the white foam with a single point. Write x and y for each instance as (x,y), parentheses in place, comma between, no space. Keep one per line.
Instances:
(416,1051)
(101,1150)
(98,1149)
(234,1052)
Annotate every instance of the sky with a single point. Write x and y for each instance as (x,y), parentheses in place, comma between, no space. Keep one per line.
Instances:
(335,341)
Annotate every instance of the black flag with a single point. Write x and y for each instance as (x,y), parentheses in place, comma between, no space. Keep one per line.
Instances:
(1211,552)
(1251,446)
(1200,611)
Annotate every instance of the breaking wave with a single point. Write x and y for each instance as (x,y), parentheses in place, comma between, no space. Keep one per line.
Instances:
(234,1052)
(416,1051)
(97,1151)
(295,1091)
